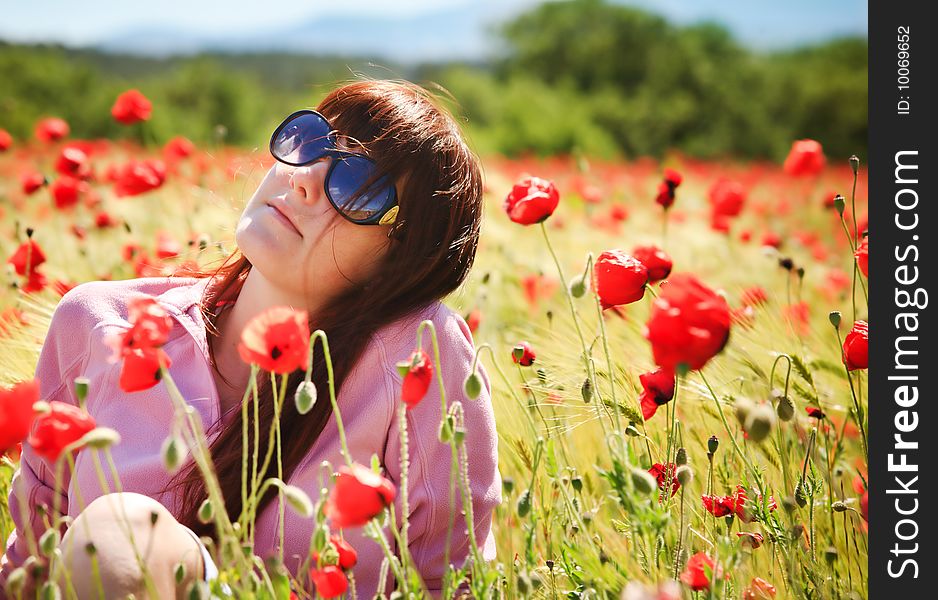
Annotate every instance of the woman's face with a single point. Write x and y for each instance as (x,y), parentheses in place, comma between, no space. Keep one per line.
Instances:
(290,232)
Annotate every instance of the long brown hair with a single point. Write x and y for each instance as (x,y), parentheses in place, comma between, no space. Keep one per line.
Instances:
(417,143)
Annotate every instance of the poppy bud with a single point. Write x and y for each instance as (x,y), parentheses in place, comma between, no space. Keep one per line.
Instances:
(508,484)
(712,444)
(16,582)
(800,496)
(577,483)
(473,386)
(524,503)
(681,457)
(298,499)
(50,591)
(81,389)
(305,397)
(759,422)
(797,531)
(830,555)
(684,474)
(174,452)
(839,204)
(206,511)
(785,409)
(445,434)
(632,431)
(643,481)
(839,506)
(854,163)
(100,438)
(459,435)
(743,408)
(578,286)
(788,503)
(49,542)
(587,390)
(834,318)
(786,263)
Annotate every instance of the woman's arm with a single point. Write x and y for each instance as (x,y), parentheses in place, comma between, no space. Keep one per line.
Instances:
(430,460)
(60,362)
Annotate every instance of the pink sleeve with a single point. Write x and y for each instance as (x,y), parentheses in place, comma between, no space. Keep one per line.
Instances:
(431,460)
(60,361)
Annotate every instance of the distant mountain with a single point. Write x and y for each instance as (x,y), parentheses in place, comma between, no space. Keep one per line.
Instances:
(459,33)
(462,31)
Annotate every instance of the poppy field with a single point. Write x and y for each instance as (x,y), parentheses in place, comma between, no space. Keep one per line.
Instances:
(677,351)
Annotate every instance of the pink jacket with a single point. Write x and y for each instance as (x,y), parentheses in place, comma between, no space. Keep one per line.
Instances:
(368,400)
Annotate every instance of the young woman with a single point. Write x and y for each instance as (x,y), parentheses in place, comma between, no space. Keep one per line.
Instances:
(370,216)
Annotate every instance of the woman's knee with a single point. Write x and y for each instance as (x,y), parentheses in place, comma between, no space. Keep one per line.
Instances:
(107,544)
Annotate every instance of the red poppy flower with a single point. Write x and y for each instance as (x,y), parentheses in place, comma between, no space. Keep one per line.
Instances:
(32,181)
(770,238)
(139,177)
(103,220)
(277,340)
(66,191)
(727,198)
(141,369)
(743,512)
(536,287)
(657,390)
(523,354)
(856,347)
(64,424)
(473,319)
(689,323)
(660,473)
(166,245)
(62,287)
(178,148)
(6,140)
(619,278)
(719,506)
(666,189)
(751,539)
(51,129)
(656,260)
(814,413)
(806,157)
(131,107)
(754,296)
(359,495)
(531,200)
(348,557)
(16,406)
(27,258)
(759,589)
(417,379)
(36,282)
(699,572)
(73,162)
(150,324)
(330,581)
(863,256)
(865,506)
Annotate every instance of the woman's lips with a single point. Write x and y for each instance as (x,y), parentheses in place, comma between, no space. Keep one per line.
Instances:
(280,216)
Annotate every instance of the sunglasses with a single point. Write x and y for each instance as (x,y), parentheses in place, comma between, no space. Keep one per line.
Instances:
(350,183)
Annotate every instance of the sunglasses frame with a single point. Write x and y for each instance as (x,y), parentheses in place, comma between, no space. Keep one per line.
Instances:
(385,216)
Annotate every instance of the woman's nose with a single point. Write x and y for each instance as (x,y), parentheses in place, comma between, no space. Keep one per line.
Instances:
(308,180)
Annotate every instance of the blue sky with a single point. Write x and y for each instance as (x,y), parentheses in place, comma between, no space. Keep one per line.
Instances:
(84,22)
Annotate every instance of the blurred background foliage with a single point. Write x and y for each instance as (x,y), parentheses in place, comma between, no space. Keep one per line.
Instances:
(571,77)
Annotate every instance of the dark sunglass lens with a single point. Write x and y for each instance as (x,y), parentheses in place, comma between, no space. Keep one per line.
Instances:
(347,188)
(303,139)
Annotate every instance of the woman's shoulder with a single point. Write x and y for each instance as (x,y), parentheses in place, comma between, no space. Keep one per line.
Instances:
(92,302)
(399,338)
